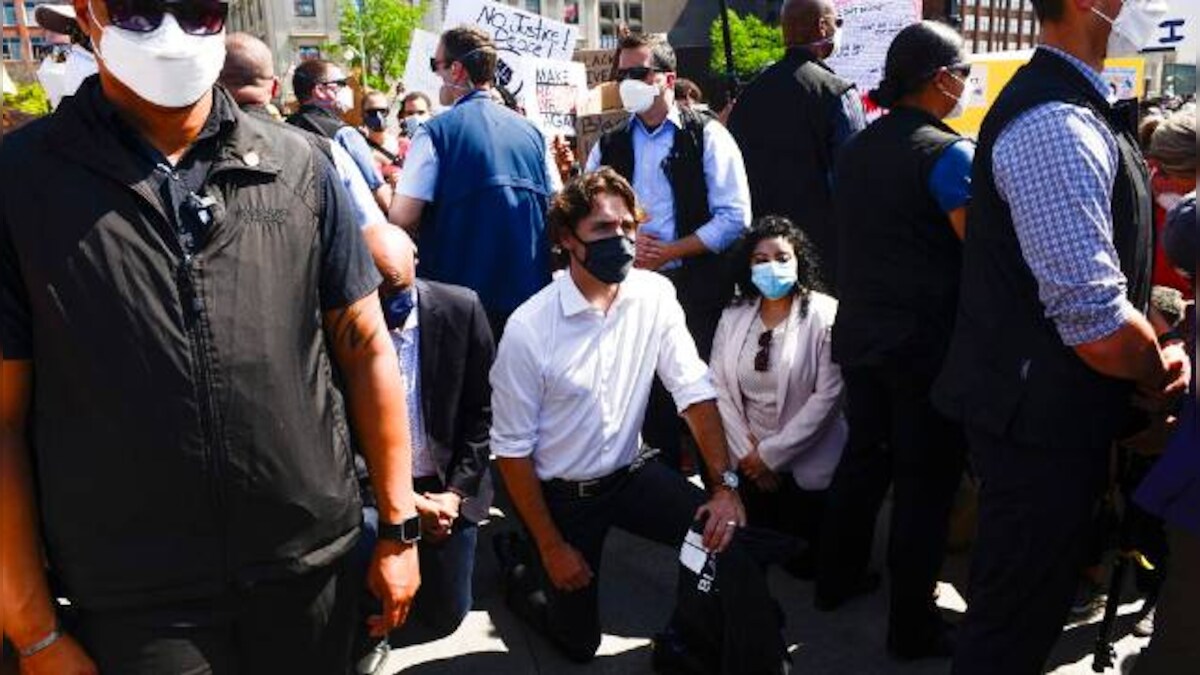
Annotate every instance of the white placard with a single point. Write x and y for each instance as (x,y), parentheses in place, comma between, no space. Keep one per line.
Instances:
(417,75)
(515,30)
(517,75)
(868,28)
(560,87)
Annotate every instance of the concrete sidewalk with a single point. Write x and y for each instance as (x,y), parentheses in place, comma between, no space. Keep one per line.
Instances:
(636,598)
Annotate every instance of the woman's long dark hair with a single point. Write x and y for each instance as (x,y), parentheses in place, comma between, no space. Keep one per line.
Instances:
(807,263)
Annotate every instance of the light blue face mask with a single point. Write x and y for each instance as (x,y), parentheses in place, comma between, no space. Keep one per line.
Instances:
(774,279)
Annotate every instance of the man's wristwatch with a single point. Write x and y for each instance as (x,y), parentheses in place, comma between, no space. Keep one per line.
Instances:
(729,479)
(407,532)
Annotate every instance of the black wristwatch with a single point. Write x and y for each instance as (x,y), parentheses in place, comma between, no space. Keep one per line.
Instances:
(1173,335)
(407,532)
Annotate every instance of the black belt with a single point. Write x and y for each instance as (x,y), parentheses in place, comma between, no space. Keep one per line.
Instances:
(584,489)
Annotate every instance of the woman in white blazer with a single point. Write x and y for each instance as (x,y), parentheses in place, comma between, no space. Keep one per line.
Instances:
(779,392)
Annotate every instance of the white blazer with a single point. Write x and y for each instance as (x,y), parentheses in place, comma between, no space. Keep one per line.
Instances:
(812,429)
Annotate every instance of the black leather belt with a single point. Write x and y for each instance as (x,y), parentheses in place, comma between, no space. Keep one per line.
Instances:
(584,489)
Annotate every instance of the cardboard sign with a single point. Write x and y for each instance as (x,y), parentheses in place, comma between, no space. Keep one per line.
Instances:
(561,87)
(514,30)
(598,63)
(588,129)
(417,76)
(868,28)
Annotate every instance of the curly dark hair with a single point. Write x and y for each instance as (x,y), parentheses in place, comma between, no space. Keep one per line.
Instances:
(807,263)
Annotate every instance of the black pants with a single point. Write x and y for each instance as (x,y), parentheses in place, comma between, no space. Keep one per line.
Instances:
(301,625)
(791,510)
(1036,505)
(652,502)
(897,438)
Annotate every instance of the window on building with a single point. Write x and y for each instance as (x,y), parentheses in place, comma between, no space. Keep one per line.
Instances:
(10,14)
(306,7)
(309,52)
(29,7)
(571,11)
(12,49)
(534,6)
(41,48)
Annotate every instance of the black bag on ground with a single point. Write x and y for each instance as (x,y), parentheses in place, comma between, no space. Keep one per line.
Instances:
(725,620)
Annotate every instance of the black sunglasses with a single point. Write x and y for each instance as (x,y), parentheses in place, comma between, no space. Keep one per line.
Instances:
(195,17)
(635,73)
(339,83)
(435,65)
(762,360)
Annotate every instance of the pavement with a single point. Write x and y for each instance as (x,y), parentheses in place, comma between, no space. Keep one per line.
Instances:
(636,598)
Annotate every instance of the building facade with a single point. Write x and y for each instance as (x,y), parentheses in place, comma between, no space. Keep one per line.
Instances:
(295,30)
(25,43)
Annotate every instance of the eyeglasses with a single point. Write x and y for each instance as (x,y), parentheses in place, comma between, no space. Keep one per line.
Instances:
(339,83)
(636,73)
(961,69)
(436,65)
(762,360)
(195,17)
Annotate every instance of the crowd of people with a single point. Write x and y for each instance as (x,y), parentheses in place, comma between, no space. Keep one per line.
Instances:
(258,374)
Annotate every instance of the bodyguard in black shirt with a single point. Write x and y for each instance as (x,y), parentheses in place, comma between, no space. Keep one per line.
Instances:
(900,256)
(177,274)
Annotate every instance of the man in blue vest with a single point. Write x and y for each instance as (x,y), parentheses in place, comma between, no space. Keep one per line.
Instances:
(476,185)
(1051,344)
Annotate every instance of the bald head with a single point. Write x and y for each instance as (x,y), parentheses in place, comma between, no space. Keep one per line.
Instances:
(807,21)
(394,253)
(249,71)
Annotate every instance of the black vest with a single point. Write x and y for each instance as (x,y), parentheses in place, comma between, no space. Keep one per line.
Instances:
(899,258)
(703,282)
(1008,373)
(317,120)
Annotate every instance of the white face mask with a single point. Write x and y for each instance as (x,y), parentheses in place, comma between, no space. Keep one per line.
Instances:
(960,101)
(166,66)
(1134,26)
(637,96)
(414,122)
(344,102)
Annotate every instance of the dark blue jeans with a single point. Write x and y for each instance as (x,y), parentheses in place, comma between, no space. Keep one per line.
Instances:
(445,595)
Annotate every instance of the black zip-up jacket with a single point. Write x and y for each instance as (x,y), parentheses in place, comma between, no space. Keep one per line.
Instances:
(187,435)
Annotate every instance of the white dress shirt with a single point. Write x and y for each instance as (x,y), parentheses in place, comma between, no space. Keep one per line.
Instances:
(570,384)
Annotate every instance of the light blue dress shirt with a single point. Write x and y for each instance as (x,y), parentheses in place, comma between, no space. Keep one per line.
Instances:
(356,146)
(724,174)
(1055,165)
(407,340)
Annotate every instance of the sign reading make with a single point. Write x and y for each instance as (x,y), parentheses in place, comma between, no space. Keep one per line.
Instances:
(515,31)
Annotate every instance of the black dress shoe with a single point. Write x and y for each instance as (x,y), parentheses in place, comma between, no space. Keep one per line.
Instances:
(938,645)
(829,602)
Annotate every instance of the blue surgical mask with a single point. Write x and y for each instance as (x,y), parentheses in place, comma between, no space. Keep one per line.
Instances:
(774,279)
(397,307)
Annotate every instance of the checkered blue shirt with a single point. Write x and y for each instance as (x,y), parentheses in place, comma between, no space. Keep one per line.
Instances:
(1055,166)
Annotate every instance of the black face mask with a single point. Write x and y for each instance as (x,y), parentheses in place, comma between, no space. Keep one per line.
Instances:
(375,120)
(609,260)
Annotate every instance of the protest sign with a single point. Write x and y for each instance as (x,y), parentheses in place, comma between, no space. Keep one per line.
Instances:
(417,75)
(598,63)
(991,72)
(588,129)
(561,88)
(867,31)
(514,30)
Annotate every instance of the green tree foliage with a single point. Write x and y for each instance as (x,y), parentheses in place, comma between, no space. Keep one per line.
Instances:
(756,45)
(386,29)
(30,99)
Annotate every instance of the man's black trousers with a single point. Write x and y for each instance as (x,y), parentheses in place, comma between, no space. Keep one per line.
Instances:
(897,438)
(652,502)
(303,625)
(1036,506)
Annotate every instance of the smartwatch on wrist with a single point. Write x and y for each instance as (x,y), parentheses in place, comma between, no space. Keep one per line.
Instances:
(407,532)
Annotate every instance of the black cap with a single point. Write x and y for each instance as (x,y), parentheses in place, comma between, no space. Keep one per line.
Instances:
(1179,236)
